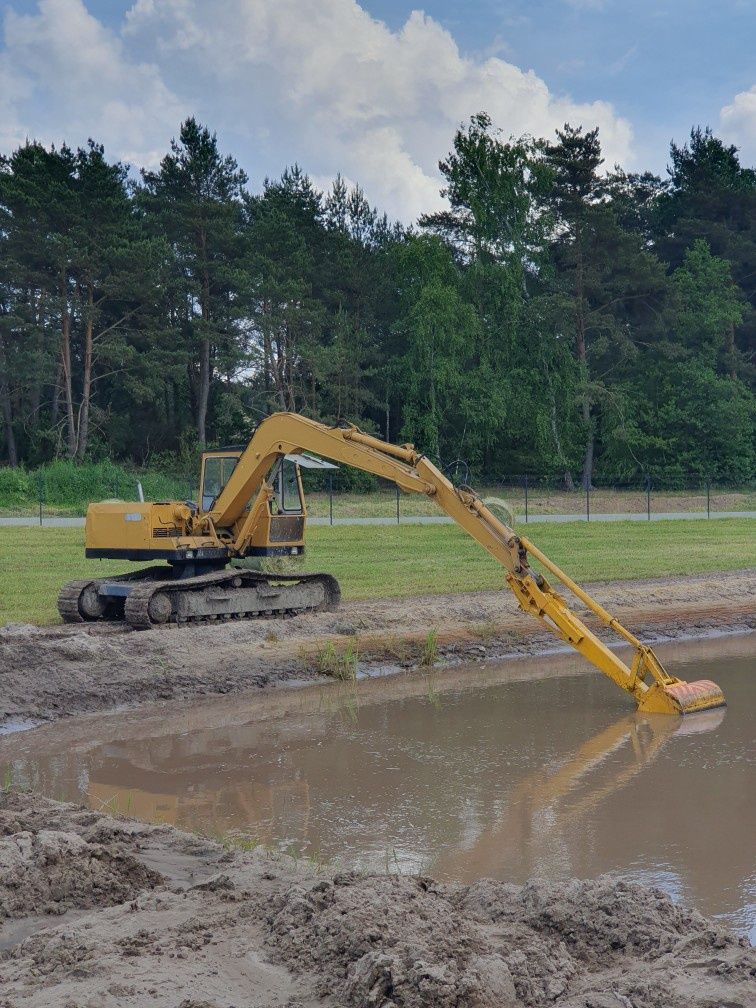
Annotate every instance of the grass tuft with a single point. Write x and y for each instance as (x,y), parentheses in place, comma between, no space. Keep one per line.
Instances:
(429,651)
(338,662)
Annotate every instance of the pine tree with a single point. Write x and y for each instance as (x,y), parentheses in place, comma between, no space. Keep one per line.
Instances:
(711,196)
(195,200)
(608,287)
(38,206)
(284,234)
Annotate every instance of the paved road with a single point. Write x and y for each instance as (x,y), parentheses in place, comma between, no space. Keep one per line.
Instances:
(47,522)
(433,520)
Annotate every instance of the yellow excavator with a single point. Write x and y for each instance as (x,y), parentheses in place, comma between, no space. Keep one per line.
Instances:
(252,505)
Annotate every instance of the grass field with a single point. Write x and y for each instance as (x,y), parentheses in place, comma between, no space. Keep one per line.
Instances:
(405,560)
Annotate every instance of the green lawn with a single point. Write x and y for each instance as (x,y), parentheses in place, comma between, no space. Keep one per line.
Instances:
(406,560)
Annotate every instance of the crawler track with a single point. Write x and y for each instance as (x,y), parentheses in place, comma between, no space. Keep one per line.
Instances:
(158,598)
(68,601)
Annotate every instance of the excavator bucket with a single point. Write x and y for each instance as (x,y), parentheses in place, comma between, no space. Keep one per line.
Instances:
(679,697)
(693,697)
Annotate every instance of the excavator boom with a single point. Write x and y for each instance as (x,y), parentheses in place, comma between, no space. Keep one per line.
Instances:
(237,523)
(645,679)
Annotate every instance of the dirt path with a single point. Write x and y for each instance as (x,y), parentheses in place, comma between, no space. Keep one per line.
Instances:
(51,672)
(96,911)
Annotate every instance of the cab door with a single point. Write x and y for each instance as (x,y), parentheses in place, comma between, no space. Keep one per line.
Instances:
(287,509)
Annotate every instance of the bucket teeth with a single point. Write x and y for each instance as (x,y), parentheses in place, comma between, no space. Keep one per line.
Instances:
(696,696)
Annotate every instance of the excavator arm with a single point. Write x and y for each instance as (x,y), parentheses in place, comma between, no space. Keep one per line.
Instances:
(644,678)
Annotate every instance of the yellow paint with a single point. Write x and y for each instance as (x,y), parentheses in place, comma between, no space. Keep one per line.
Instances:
(240,518)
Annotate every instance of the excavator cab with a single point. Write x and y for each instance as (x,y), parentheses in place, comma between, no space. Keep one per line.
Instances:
(216,470)
(285,479)
(282,525)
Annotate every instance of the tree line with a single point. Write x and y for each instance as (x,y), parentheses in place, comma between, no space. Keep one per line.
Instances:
(556,318)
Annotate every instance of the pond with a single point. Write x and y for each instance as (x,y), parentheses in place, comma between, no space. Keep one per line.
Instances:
(531,767)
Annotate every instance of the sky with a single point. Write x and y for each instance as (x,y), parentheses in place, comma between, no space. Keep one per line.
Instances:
(374,89)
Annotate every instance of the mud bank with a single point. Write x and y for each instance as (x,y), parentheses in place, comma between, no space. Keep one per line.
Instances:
(51,672)
(109,912)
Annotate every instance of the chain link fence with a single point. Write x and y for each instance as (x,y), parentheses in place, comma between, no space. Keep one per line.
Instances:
(529,497)
(533,498)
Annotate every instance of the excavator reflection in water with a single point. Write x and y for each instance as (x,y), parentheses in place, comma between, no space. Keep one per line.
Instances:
(549,803)
(276,806)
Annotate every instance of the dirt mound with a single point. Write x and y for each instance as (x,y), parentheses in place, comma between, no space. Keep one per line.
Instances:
(149,916)
(49,870)
(385,941)
(394,941)
(601,937)
(20,811)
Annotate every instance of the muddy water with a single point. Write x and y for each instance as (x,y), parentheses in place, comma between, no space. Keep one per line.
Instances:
(528,768)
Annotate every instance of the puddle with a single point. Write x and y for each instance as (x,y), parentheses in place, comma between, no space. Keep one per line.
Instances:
(17,725)
(531,767)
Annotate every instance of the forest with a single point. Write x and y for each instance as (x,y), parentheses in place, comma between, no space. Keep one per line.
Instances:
(560,316)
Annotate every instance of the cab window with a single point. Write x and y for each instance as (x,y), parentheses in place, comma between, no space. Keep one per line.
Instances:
(285,483)
(291,500)
(217,471)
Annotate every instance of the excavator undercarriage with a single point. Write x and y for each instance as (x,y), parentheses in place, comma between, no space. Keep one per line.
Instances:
(155,595)
(252,506)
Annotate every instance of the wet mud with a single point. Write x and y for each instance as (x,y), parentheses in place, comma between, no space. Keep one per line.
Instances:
(528,767)
(52,672)
(189,923)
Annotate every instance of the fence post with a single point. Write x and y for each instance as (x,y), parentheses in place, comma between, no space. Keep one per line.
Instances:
(397,505)
(588,501)
(648,496)
(708,497)
(330,498)
(526,498)
(41,495)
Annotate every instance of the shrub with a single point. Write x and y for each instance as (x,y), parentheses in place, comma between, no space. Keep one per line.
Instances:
(74,485)
(15,486)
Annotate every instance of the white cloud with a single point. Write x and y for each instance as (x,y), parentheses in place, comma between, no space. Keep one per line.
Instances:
(67,77)
(316,81)
(738,122)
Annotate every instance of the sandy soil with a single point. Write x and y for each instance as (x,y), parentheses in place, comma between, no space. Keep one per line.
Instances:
(51,672)
(97,912)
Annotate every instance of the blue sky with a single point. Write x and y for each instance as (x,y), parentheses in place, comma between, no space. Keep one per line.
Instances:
(666,66)
(373,89)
